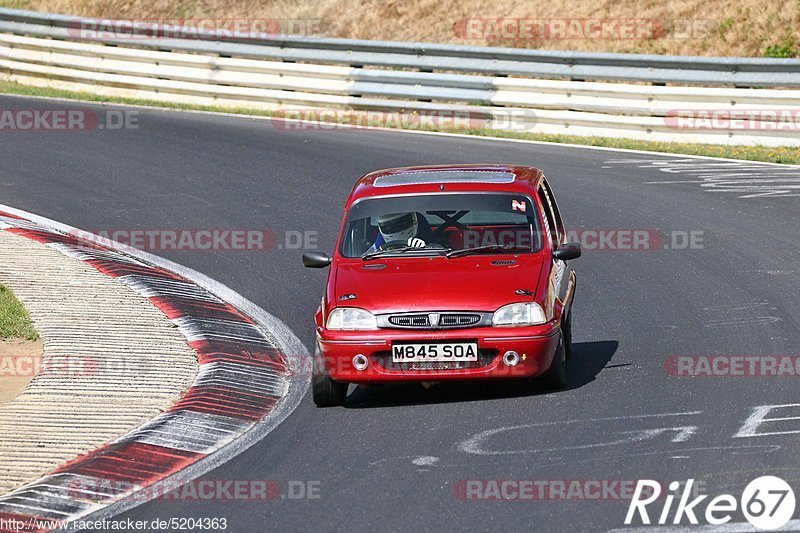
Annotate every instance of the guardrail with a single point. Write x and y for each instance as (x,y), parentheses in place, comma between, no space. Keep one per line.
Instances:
(500,88)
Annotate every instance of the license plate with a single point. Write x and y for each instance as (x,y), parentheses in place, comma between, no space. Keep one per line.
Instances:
(414,353)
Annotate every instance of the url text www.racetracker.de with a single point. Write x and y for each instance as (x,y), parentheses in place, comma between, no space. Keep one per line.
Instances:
(157,524)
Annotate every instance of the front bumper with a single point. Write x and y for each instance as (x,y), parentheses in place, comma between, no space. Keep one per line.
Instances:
(535,345)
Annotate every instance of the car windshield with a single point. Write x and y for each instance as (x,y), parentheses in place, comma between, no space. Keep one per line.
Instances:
(440,223)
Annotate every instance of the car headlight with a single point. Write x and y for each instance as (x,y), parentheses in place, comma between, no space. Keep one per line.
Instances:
(519,314)
(351,318)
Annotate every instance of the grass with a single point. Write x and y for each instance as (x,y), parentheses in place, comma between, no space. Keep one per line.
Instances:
(14,320)
(678,27)
(784,155)
(785,49)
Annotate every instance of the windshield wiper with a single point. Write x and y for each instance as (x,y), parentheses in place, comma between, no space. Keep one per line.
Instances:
(488,247)
(401,249)
(382,253)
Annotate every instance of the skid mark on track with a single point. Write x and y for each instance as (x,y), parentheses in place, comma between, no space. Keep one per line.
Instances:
(757,313)
(770,272)
(425,460)
(745,178)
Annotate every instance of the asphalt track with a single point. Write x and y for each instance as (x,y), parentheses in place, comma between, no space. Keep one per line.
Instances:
(390,459)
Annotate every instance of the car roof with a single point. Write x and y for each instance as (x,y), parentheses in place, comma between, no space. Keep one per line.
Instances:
(453,178)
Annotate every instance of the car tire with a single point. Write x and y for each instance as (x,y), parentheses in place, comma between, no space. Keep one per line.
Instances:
(566,328)
(556,376)
(325,391)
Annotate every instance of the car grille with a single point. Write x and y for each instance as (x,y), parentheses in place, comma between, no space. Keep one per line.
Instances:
(410,321)
(458,320)
(446,320)
(485,358)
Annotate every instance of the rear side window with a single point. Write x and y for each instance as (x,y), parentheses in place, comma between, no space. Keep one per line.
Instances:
(551,214)
(549,221)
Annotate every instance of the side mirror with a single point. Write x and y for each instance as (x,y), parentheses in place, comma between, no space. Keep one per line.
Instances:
(316,260)
(567,251)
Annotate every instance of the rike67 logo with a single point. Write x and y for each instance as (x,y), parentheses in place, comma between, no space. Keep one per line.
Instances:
(768,503)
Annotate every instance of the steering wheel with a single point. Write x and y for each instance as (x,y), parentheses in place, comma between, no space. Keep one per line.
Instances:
(391,245)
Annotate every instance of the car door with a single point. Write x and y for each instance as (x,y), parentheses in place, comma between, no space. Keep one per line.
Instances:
(561,275)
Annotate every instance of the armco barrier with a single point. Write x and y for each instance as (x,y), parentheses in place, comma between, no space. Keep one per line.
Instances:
(316,73)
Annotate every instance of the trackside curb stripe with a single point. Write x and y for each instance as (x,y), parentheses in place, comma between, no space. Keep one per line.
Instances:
(247,383)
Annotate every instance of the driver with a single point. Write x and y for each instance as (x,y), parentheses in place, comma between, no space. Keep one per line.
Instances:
(395,227)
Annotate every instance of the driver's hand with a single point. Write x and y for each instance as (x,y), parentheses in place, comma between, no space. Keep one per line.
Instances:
(416,242)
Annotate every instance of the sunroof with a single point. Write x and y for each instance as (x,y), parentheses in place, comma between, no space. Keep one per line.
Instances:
(444,176)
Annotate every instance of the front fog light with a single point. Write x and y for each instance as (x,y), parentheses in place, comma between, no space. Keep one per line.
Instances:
(360,362)
(511,358)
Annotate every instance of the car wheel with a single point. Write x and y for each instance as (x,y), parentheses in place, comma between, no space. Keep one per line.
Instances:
(566,328)
(556,377)
(325,391)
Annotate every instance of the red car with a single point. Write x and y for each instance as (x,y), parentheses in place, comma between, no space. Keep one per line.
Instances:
(445,273)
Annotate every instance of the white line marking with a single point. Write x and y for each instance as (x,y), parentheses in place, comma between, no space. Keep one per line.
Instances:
(759,417)
(745,178)
(473,445)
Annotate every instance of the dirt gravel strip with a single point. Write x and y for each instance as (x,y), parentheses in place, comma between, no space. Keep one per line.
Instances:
(225,372)
(114,361)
